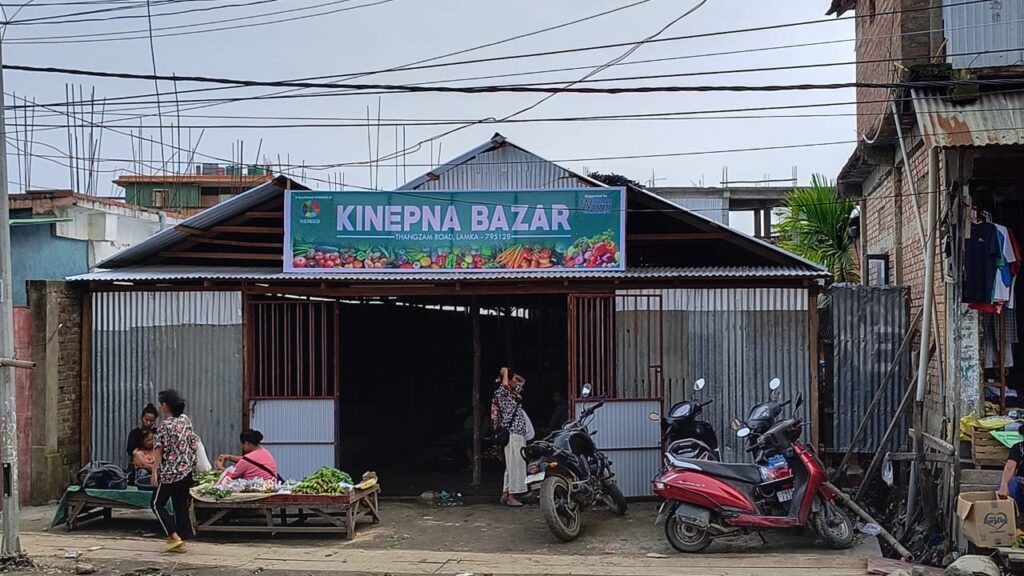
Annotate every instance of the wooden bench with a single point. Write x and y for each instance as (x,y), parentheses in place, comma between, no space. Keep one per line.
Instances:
(291,513)
(83,508)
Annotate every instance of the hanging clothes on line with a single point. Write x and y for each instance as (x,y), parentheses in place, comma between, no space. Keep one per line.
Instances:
(992,260)
(992,336)
(981,253)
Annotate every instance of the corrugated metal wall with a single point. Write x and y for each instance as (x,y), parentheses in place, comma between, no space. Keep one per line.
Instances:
(867,326)
(713,208)
(507,168)
(737,339)
(631,441)
(985,33)
(300,434)
(144,342)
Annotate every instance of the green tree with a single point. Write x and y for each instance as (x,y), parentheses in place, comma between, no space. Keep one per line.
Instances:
(613,179)
(817,227)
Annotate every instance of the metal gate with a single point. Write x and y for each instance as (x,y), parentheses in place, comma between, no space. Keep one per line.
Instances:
(616,345)
(292,381)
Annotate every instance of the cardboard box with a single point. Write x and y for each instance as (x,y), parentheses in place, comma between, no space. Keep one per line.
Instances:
(987,520)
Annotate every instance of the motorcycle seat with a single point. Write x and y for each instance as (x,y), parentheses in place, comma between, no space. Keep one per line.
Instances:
(748,473)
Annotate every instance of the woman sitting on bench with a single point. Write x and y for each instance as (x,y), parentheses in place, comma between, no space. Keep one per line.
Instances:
(143,461)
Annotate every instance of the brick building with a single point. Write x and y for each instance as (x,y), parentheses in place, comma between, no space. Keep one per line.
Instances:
(975,137)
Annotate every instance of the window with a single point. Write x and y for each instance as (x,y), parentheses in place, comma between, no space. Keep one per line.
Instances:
(878,269)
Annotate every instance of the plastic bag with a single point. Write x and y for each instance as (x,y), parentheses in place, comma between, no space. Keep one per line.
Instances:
(202,461)
(971,422)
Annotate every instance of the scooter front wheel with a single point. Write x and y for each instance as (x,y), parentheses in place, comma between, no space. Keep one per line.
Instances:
(686,537)
(561,512)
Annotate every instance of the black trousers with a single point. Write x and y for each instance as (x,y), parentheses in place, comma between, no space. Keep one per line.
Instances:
(178,494)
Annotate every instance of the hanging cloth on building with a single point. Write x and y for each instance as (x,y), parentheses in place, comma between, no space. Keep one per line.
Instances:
(1009,319)
(1005,262)
(981,253)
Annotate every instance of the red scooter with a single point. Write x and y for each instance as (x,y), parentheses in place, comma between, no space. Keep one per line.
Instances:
(705,500)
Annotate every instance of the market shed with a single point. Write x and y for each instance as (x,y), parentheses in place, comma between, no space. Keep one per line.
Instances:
(380,368)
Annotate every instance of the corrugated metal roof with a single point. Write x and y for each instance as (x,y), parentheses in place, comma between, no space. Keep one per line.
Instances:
(506,166)
(171,273)
(203,221)
(994,118)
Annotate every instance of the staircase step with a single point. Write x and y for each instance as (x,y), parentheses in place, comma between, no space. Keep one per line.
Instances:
(987,477)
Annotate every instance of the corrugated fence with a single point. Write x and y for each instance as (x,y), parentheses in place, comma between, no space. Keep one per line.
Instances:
(737,339)
(144,342)
(867,327)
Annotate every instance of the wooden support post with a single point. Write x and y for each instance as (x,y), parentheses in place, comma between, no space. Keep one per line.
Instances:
(477,409)
(813,401)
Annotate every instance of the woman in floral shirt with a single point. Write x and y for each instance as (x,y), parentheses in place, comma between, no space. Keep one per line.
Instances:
(507,412)
(174,450)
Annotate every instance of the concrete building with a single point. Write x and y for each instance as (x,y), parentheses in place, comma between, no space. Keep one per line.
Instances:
(717,203)
(204,185)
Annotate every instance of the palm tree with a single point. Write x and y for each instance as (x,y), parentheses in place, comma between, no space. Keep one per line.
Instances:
(817,228)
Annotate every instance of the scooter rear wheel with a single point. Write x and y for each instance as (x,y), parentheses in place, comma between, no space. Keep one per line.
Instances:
(686,537)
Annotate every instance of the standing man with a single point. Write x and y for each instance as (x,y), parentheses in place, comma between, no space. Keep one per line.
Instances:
(561,411)
(506,413)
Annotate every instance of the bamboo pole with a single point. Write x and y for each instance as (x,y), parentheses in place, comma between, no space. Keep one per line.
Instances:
(845,500)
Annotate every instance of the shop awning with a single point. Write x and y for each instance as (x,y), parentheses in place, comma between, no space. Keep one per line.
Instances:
(185,273)
(993,118)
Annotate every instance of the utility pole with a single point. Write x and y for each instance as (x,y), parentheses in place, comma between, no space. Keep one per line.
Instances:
(8,407)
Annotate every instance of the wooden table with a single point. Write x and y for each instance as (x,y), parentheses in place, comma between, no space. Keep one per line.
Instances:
(291,513)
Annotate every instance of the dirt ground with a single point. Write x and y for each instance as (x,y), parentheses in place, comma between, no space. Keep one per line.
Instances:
(483,528)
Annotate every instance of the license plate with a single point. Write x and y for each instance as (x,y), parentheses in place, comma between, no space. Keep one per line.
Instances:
(785,495)
(534,479)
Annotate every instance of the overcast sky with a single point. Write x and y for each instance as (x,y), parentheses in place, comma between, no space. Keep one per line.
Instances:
(398,32)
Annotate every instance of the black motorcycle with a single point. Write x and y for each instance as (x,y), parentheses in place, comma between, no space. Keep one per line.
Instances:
(762,417)
(684,434)
(572,474)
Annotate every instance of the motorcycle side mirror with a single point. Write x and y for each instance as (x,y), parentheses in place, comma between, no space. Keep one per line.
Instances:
(736,424)
(585,392)
(799,402)
(775,384)
(698,385)
(654,417)
(743,432)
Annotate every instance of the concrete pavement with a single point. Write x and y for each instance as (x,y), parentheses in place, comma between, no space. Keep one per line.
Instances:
(263,556)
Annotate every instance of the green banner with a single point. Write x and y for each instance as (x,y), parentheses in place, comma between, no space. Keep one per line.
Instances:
(399,231)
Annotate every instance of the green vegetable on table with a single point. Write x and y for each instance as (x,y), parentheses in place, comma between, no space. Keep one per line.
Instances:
(209,477)
(325,481)
(213,492)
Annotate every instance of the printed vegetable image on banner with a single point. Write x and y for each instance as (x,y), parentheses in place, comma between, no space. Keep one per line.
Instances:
(464,231)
